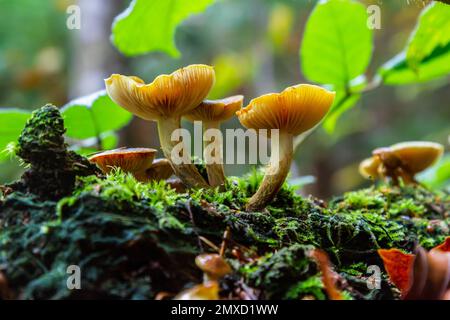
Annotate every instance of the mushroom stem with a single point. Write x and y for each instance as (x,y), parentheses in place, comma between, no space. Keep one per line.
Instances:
(275,173)
(186,170)
(214,162)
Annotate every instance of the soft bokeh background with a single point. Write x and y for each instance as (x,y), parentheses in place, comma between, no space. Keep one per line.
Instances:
(254,46)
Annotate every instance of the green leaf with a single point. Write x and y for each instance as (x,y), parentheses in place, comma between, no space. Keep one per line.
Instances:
(397,71)
(338,108)
(343,102)
(109,140)
(93,115)
(12,122)
(427,54)
(432,31)
(438,176)
(337,44)
(150,25)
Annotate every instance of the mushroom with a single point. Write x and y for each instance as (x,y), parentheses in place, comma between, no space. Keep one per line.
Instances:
(402,160)
(293,111)
(368,168)
(137,161)
(133,160)
(165,101)
(213,266)
(161,169)
(212,113)
(205,291)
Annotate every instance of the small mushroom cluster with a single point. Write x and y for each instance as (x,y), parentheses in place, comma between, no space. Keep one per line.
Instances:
(401,161)
(182,94)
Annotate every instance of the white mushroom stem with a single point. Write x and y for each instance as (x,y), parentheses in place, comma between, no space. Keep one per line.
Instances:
(275,174)
(185,170)
(214,161)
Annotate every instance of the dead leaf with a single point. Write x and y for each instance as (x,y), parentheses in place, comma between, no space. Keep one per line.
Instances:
(399,266)
(329,277)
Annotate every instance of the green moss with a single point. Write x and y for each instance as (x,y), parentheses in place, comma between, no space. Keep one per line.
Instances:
(279,273)
(312,286)
(52,167)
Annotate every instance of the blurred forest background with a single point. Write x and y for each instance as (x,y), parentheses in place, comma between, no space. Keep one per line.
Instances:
(254,46)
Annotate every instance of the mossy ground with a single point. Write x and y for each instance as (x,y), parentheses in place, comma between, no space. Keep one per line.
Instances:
(135,240)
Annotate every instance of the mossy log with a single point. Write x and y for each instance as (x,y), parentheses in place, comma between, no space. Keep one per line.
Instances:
(136,241)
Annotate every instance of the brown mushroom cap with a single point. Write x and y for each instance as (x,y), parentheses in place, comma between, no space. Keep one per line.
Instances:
(167,96)
(161,169)
(417,156)
(369,167)
(128,159)
(216,110)
(213,264)
(295,110)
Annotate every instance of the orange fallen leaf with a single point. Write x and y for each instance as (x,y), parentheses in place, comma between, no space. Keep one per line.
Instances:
(399,267)
(328,275)
(424,275)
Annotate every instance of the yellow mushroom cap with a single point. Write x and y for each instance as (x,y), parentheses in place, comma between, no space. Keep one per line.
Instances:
(128,159)
(369,167)
(167,96)
(216,110)
(206,291)
(161,169)
(416,156)
(296,109)
(213,264)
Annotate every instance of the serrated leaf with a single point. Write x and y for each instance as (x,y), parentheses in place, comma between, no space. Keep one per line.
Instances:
(93,115)
(337,44)
(12,122)
(150,25)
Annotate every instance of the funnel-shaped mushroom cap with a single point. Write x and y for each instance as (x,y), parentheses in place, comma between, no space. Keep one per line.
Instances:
(213,264)
(416,156)
(167,96)
(161,169)
(128,159)
(295,110)
(369,167)
(216,110)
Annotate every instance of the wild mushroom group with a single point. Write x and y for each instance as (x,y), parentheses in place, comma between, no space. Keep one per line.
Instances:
(296,110)
(401,161)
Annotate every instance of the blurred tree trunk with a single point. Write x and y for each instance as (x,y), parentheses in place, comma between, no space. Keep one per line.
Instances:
(94,57)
